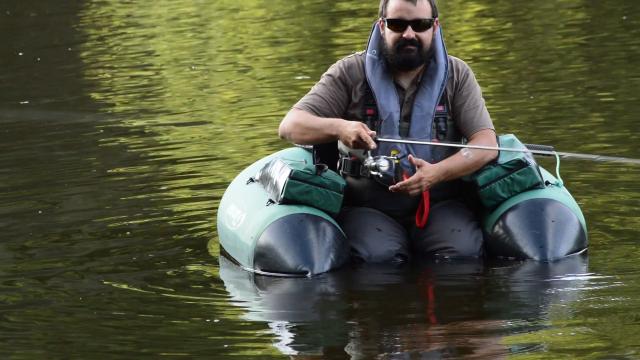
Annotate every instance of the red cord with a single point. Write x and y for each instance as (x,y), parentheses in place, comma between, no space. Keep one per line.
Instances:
(422,214)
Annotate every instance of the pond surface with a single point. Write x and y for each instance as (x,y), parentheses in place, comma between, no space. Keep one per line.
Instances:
(121,125)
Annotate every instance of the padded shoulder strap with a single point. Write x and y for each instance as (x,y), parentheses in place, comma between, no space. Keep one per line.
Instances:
(370,109)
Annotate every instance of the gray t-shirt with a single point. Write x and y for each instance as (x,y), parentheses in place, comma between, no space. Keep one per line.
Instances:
(340,93)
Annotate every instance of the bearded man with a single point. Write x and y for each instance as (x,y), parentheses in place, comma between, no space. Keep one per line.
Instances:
(404,85)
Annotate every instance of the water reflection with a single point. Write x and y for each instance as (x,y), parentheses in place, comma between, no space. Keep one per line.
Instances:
(439,309)
(121,125)
(553,79)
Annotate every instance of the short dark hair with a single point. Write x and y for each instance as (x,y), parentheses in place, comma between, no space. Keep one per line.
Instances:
(383,7)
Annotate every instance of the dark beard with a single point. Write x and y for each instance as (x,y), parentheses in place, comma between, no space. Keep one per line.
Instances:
(399,59)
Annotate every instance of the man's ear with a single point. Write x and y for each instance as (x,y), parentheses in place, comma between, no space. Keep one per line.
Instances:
(381,25)
(436,24)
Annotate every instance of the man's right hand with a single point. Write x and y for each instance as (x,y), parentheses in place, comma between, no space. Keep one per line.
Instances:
(304,128)
(356,135)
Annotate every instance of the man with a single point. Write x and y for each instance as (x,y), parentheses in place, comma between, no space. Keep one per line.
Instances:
(408,76)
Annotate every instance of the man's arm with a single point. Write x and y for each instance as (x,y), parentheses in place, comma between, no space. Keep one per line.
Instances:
(464,162)
(304,128)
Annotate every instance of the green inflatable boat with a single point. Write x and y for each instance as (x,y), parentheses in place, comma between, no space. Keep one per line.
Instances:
(263,236)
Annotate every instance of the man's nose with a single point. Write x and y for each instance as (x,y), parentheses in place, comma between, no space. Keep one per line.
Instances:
(409,33)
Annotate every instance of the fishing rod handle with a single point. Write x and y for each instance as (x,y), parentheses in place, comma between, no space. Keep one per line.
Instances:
(538,147)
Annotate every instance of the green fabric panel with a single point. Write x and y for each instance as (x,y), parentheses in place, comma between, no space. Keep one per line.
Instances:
(297,192)
(320,188)
(502,189)
(513,173)
(496,171)
(326,179)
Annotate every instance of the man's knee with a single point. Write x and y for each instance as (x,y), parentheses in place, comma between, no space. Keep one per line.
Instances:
(374,236)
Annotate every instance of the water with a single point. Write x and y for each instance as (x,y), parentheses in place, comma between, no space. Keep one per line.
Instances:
(122,124)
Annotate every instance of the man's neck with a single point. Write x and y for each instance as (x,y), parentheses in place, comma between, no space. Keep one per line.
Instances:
(406,78)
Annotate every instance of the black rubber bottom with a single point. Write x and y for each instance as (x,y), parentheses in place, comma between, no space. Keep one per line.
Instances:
(300,245)
(538,229)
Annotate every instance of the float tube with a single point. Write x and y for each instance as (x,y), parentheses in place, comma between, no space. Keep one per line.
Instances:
(298,240)
(539,224)
(274,239)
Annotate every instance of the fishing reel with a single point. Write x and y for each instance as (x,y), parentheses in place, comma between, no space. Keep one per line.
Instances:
(386,170)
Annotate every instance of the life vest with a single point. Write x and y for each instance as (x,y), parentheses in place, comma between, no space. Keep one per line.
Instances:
(443,125)
(425,107)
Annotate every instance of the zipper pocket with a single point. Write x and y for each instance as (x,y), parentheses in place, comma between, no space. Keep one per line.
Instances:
(523,165)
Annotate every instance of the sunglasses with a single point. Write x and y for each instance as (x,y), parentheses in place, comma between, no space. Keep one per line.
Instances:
(400,25)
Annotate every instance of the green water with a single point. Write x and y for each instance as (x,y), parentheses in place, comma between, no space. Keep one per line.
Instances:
(122,123)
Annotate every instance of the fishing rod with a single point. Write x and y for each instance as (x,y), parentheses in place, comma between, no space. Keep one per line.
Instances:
(545,150)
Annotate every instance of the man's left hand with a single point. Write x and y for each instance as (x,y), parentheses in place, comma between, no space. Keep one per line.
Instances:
(425,177)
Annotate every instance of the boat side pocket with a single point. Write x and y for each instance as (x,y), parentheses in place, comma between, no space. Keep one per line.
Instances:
(298,182)
(513,173)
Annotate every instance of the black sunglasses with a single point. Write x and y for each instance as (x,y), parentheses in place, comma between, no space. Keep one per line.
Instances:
(400,25)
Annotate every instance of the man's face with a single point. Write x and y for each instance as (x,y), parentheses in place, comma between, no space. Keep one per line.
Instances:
(407,50)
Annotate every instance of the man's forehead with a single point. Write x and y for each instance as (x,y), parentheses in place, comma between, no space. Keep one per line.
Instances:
(406,8)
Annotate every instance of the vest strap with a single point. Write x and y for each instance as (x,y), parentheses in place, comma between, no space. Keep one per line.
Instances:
(370,110)
(441,117)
